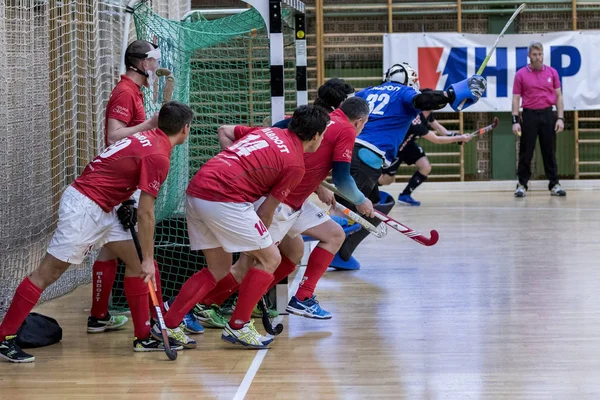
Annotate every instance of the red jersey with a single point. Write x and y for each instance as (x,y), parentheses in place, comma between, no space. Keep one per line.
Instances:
(262,161)
(337,145)
(126,104)
(140,161)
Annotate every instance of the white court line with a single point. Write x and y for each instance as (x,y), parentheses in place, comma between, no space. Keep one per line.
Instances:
(260,354)
(512,208)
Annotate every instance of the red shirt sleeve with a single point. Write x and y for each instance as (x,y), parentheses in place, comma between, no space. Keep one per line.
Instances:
(517,84)
(121,107)
(289,178)
(556,79)
(342,151)
(153,172)
(240,131)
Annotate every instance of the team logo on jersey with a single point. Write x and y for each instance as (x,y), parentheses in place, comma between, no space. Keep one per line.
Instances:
(154,185)
(285,192)
(121,110)
(347,154)
(417,121)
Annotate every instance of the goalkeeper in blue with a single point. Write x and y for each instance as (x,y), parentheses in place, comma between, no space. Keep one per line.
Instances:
(394,104)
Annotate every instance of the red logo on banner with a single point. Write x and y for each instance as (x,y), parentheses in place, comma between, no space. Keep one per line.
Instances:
(429,59)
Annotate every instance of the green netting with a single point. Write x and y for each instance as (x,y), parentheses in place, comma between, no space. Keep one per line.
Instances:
(221,69)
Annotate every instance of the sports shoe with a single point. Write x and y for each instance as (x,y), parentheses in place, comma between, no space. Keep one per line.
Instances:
(209,316)
(308,308)
(176,335)
(520,191)
(257,313)
(408,200)
(247,336)
(557,190)
(109,323)
(10,350)
(189,324)
(151,344)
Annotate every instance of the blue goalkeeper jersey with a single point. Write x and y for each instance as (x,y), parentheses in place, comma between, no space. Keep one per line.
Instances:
(392,112)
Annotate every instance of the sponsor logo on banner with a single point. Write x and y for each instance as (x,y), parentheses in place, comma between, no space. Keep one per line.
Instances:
(438,69)
(444,58)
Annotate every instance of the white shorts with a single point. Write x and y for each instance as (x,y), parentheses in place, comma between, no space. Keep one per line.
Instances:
(233,226)
(83,226)
(292,223)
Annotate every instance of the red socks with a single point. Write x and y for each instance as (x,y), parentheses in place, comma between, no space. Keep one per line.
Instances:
(254,285)
(225,288)
(192,291)
(103,277)
(158,293)
(25,298)
(318,262)
(284,269)
(136,292)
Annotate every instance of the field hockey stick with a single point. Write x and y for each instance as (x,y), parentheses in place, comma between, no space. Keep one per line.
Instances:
(406,231)
(169,84)
(171,353)
(266,321)
(489,54)
(485,129)
(375,230)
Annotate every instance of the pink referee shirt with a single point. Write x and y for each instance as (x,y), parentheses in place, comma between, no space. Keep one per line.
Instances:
(537,88)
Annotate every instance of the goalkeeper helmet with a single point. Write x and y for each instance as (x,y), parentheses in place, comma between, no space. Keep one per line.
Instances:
(403,74)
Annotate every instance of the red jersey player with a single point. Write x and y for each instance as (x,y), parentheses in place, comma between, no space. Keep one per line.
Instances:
(87,218)
(300,216)
(221,218)
(125,116)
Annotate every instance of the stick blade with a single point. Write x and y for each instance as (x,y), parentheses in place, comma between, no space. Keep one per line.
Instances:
(425,241)
(495,123)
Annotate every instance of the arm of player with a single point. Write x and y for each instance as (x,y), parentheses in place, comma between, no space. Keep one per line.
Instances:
(117,130)
(267,209)
(439,128)
(226,135)
(433,138)
(432,99)
(516,103)
(146,225)
(347,186)
(560,110)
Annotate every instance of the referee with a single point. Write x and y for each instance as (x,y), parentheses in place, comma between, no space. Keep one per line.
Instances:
(539,87)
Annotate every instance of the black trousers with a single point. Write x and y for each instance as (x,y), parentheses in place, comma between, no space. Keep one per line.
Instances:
(538,123)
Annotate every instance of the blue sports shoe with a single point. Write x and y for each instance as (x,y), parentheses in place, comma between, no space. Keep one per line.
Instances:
(408,200)
(308,308)
(190,323)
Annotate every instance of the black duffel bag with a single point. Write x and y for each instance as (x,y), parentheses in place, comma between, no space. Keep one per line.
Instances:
(38,331)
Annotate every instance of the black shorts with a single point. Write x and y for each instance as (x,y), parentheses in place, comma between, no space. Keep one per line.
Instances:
(409,155)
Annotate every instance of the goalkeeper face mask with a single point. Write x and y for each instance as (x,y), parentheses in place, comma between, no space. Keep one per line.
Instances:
(148,73)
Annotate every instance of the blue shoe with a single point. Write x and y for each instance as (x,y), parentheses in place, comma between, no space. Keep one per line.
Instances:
(406,199)
(308,308)
(191,325)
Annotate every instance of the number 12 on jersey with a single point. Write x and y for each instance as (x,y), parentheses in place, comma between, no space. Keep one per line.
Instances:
(377,102)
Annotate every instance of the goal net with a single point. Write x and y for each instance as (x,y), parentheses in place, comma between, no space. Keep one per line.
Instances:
(221,68)
(60,62)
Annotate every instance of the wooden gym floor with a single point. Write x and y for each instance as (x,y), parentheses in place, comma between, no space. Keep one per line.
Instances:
(505,306)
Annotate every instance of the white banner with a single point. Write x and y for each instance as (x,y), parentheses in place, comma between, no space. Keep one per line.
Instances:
(441,59)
